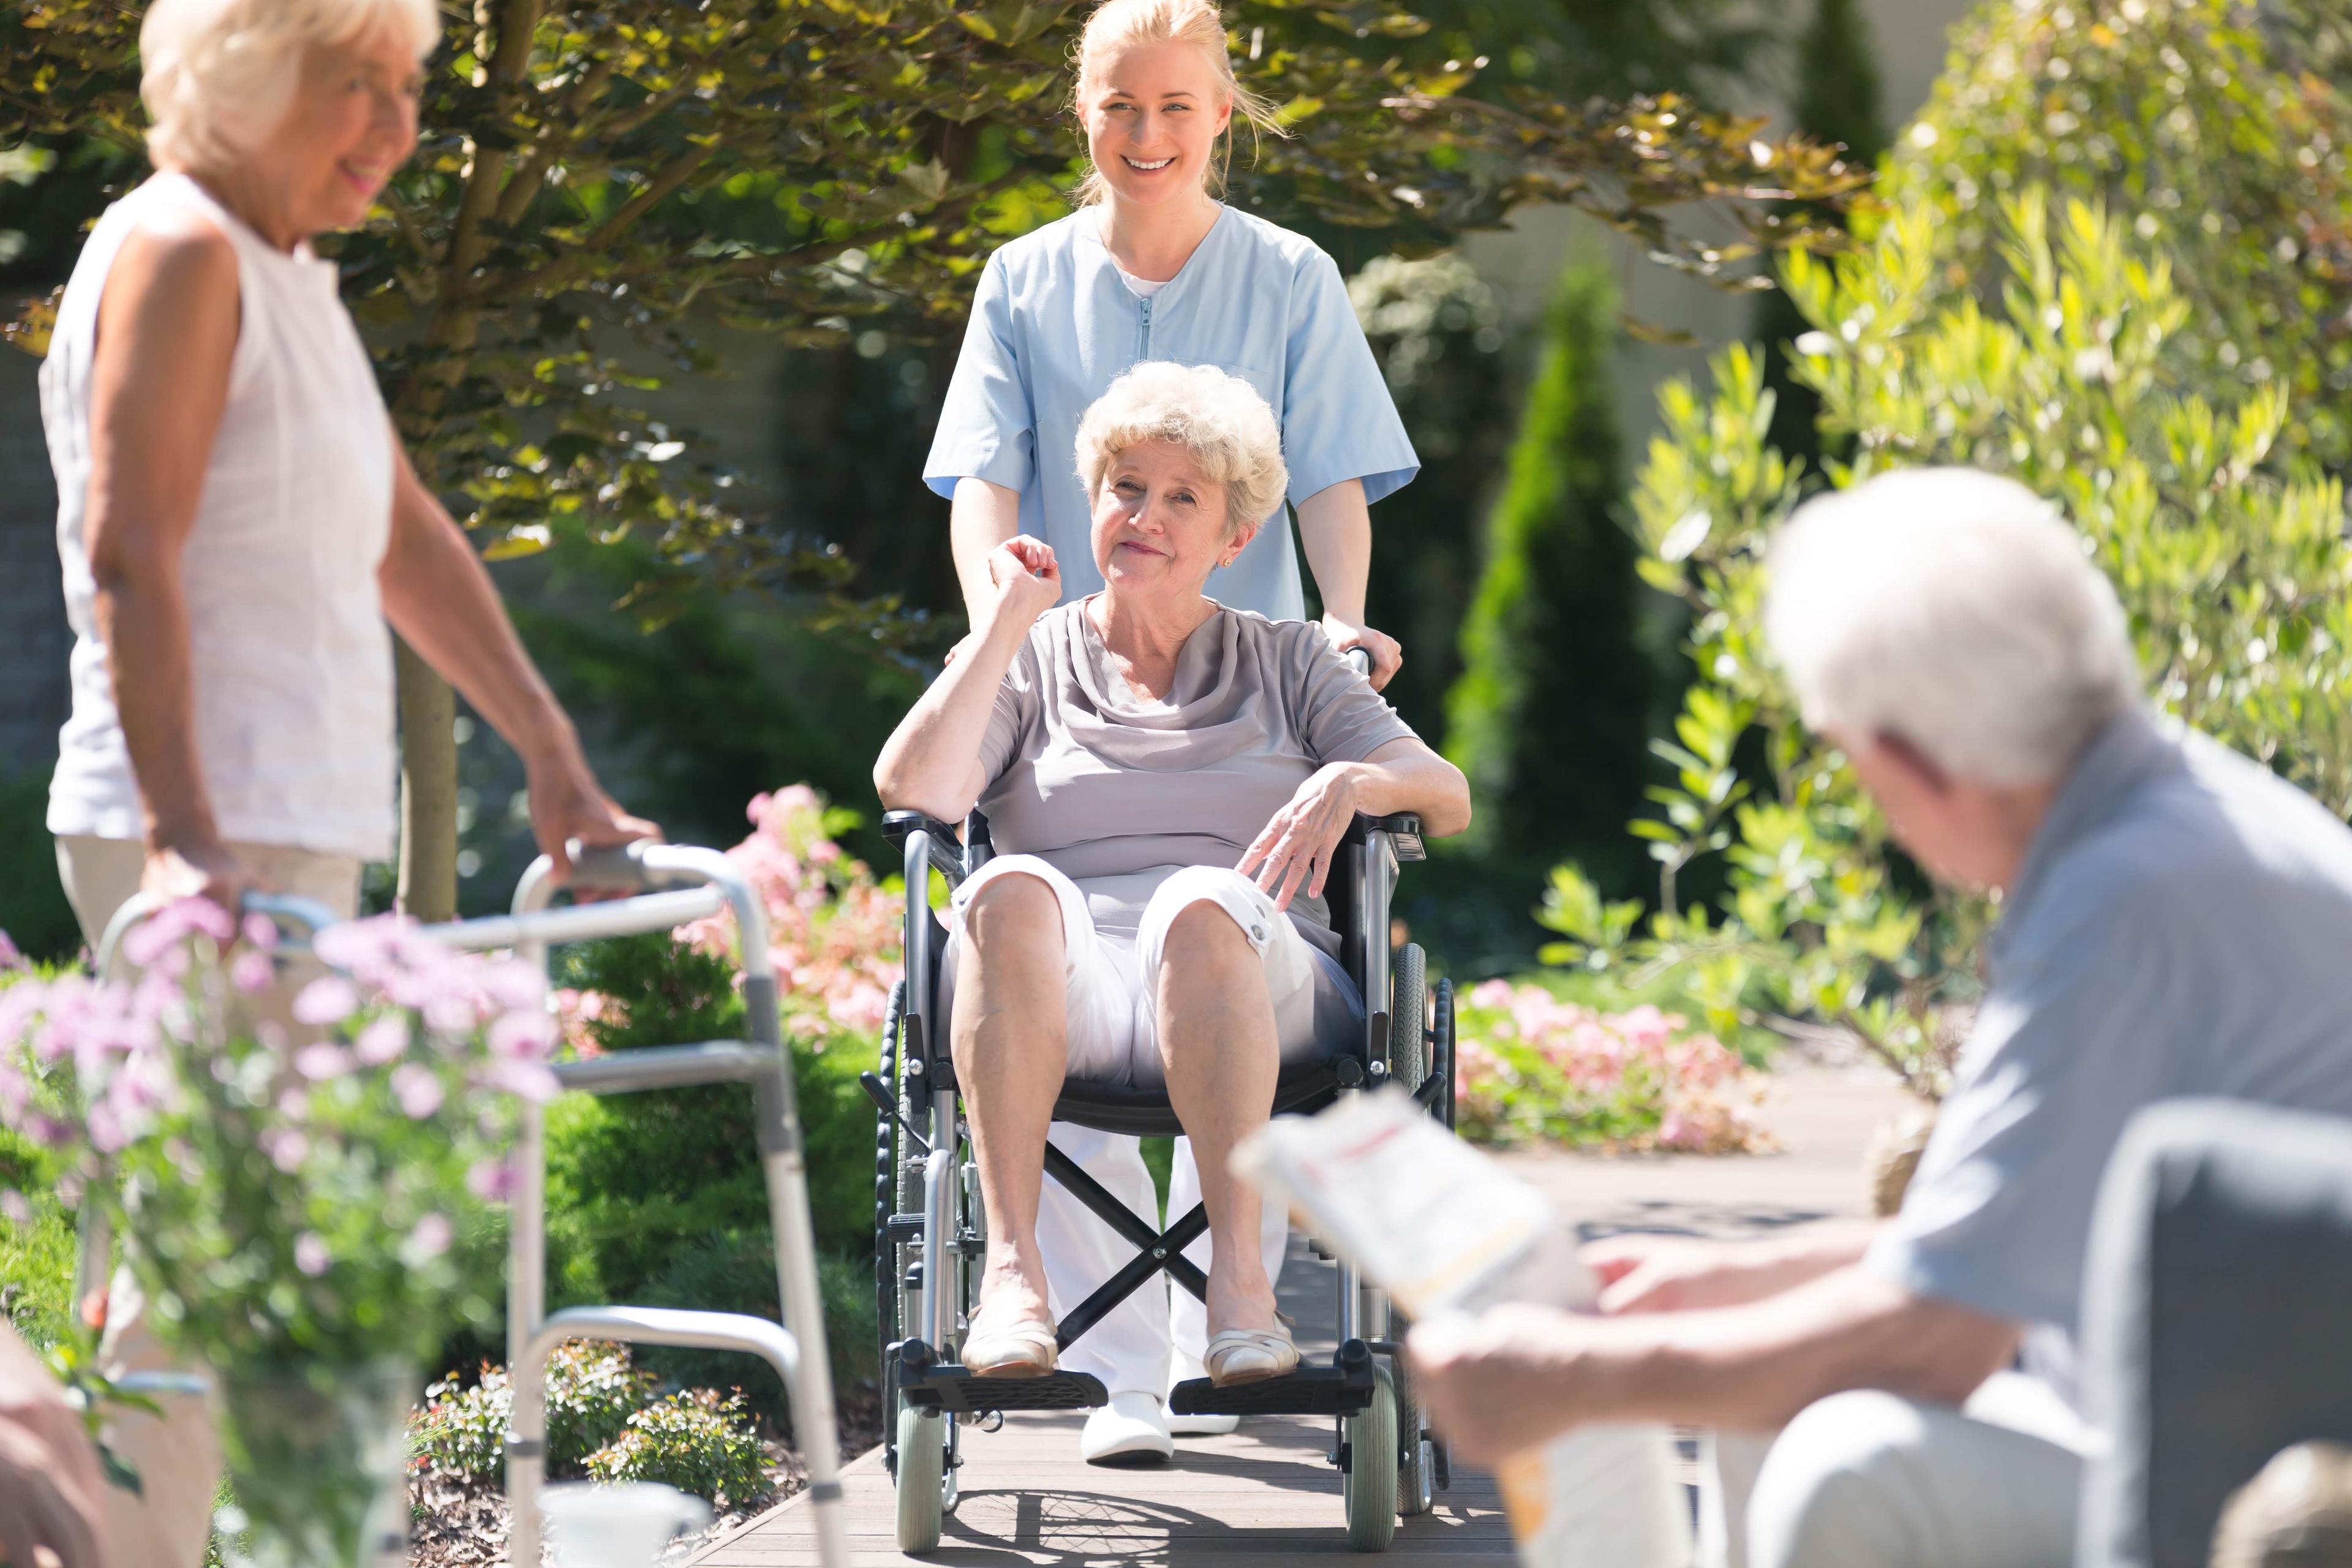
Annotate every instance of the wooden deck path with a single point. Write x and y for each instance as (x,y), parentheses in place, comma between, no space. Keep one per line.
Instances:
(1263,1494)
(1266,1492)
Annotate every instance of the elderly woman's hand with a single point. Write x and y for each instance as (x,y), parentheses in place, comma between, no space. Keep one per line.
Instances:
(1023,583)
(1296,849)
(568,804)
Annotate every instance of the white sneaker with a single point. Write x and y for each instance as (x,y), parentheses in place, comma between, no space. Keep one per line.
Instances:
(1201,1426)
(1131,1429)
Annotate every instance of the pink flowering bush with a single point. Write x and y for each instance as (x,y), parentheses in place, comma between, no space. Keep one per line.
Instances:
(833,928)
(1531,1067)
(294,1200)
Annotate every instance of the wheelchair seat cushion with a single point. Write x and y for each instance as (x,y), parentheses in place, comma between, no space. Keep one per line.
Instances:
(1109,996)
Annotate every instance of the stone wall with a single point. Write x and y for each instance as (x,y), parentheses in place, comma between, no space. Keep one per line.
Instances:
(34,638)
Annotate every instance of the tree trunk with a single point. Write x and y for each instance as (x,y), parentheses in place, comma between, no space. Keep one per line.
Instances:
(428,790)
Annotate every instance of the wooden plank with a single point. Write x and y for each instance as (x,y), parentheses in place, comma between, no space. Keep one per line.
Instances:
(1264,1495)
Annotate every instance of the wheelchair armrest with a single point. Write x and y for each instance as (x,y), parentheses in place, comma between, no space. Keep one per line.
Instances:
(947,844)
(1403,828)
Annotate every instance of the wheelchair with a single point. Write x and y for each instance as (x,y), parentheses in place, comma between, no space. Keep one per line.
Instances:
(930,1233)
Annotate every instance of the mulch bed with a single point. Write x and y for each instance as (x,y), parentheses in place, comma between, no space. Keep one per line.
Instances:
(459,1523)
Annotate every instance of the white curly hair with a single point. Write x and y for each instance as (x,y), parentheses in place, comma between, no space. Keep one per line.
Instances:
(1218,417)
(217,75)
(1956,609)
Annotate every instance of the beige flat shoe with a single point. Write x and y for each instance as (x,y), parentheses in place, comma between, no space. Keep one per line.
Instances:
(1249,1355)
(1024,1350)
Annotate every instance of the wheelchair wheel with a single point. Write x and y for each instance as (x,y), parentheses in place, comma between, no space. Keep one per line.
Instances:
(1369,1487)
(1407,1016)
(921,1478)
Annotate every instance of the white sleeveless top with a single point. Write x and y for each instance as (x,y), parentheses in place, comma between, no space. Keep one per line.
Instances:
(291,661)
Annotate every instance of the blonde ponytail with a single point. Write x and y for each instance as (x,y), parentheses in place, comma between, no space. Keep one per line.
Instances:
(1117,25)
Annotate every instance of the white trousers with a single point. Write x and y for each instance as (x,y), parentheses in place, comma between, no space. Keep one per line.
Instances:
(1870,1479)
(1155,1339)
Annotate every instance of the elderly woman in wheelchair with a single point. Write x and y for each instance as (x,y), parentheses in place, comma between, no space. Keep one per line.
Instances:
(1168,781)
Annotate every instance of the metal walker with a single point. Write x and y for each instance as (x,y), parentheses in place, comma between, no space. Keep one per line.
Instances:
(670,884)
(705,882)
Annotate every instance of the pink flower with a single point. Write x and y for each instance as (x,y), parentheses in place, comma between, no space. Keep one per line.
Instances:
(525,1080)
(286,1146)
(172,925)
(383,1040)
(418,1089)
(14,1208)
(329,999)
(260,931)
(430,1239)
(524,1035)
(252,972)
(9,957)
(321,1062)
(311,1255)
(491,1181)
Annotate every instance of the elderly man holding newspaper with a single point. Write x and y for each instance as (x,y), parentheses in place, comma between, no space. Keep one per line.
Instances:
(2174,921)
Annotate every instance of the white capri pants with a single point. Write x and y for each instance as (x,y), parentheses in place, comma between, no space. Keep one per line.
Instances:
(1111,981)
(1155,1338)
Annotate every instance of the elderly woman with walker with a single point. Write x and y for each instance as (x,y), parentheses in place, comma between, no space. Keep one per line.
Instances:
(1153,267)
(237,523)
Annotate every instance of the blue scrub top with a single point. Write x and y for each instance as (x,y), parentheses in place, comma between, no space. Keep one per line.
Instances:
(1053,325)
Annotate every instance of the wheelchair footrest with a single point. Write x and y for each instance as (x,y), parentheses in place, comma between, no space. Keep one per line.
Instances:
(947,1387)
(1341,1389)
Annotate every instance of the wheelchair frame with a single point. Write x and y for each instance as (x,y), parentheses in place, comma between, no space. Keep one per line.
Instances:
(930,1233)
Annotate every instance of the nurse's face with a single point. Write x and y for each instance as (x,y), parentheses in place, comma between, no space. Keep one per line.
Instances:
(1160,524)
(1153,114)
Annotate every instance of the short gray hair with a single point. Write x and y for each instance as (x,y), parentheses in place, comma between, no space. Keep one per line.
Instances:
(217,75)
(1219,418)
(1957,610)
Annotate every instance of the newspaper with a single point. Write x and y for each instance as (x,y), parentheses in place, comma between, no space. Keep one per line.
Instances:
(1441,1227)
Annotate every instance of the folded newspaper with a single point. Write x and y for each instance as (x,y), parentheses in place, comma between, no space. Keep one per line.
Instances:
(1441,1227)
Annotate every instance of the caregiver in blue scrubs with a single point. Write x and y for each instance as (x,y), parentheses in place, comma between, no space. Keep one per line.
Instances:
(1153,267)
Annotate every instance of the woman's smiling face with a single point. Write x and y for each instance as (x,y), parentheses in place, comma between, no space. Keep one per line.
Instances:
(1160,524)
(1152,115)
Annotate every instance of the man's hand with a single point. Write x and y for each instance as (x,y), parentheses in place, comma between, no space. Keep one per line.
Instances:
(1648,1273)
(567,803)
(1500,1382)
(206,870)
(49,1485)
(1387,656)
(1640,1273)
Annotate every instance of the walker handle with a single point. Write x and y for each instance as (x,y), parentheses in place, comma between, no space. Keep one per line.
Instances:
(616,867)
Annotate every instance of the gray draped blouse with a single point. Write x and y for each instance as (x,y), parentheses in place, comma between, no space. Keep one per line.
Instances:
(1117,791)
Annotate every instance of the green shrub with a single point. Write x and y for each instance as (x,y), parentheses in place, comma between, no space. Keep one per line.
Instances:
(2211,127)
(698,1442)
(34,913)
(2227,553)
(592,1392)
(1550,631)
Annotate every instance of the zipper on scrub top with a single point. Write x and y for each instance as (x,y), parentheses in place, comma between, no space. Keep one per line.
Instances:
(1144,351)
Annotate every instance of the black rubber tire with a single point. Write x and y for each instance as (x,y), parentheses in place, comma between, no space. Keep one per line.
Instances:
(1407,1016)
(1368,1489)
